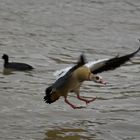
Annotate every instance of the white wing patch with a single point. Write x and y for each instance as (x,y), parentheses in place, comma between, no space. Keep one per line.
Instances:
(93,65)
(62,72)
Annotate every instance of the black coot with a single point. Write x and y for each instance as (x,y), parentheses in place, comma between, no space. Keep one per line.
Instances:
(15,65)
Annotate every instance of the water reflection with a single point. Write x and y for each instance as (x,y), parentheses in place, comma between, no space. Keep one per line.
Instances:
(67,134)
(11,71)
(7,71)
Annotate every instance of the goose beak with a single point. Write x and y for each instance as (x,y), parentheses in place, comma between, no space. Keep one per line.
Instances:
(103,82)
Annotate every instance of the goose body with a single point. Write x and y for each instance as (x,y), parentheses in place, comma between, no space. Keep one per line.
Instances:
(70,82)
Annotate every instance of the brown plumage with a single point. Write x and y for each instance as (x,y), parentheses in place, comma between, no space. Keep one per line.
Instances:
(71,81)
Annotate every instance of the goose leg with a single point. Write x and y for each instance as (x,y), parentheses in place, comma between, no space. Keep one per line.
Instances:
(85,100)
(72,105)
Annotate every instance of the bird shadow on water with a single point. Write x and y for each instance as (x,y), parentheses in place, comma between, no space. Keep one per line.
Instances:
(67,134)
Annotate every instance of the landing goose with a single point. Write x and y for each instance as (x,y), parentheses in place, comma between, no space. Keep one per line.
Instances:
(71,78)
(71,82)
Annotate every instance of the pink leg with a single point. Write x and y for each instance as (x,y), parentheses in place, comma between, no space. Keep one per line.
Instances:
(73,106)
(86,101)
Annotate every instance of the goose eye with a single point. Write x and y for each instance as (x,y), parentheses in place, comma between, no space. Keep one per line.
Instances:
(97,78)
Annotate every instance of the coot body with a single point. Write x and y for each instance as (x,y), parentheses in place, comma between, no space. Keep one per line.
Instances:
(15,65)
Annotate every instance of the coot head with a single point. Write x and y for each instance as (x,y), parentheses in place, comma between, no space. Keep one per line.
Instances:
(5,57)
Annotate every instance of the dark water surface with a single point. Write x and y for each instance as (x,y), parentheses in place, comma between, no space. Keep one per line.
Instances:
(50,35)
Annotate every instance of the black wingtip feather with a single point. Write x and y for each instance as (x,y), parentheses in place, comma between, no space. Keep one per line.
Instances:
(81,62)
(115,62)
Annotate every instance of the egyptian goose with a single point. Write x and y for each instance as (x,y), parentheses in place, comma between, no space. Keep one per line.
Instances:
(71,82)
(15,65)
(71,78)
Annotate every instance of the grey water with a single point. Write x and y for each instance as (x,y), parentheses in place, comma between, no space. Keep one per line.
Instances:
(50,35)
